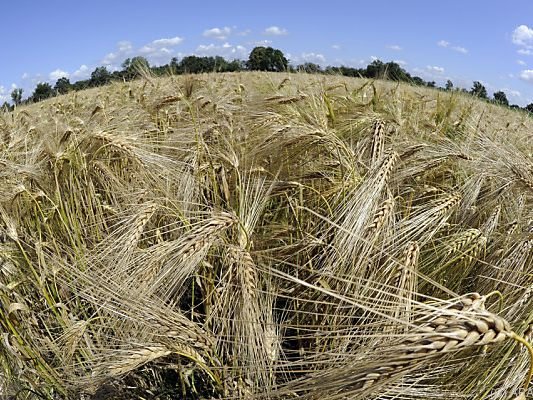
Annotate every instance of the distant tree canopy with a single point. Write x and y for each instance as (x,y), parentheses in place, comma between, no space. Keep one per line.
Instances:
(42,91)
(16,96)
(479,90)
(267,59)
(132,67)
(62,85)
(260,59)
(309,67)
(501,98)
(100,76)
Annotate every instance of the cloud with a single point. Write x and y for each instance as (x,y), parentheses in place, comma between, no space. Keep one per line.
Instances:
(226,50)
(124,46)
(520,62)
(460,49)
(57,74)
(525,52)
(160,51)
(157,52)
(275,31)
(448,45)
(527,75)
(401,63)
(260,43)
(435,69)
(218,33)
(313,57)
(523,36)
(512,93)
(395,47)
(170,42)
(82,72)
(3,94)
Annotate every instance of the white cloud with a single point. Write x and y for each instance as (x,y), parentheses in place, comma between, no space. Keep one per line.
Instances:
(523,36)
(226,50)
(401,63)
(336,46)
(82,72)
(244,33)
(447,45)
(218,33)
(124,46)
(460,49)
(157,52)
(525,52)
(275,31)
(25,75)
(260,43)
(520,62)
(167,42)
(55,75)
(435,69)
(527,75)
(313,57)
(395,47)
(512,93)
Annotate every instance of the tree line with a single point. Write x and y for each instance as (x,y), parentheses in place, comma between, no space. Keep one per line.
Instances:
(260,59)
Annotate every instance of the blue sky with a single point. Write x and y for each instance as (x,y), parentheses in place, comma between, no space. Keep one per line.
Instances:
(461,40)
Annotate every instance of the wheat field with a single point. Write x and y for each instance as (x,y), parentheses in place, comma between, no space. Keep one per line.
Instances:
(266,236)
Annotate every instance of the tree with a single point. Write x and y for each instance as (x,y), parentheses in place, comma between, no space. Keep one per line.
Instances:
(62,85)
(479,90)
(529,107)
(309,67)
(132,67)
(16,96)
(6,107)
(431,84)
(42,91)
(267,59)
(449,85)
(100,76)
(501,98)
(376,69)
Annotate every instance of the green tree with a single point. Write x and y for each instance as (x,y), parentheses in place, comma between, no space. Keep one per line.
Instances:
(100,76)
(395,72)
(501,98)
(479,90)
(309,67)
(376,69)
(6,107)
(449,85)
(16,96)
(133,67)
(529,107)
(42,91)
(62,85)
(267,59)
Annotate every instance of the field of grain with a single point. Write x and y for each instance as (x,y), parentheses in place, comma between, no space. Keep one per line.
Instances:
(265,236)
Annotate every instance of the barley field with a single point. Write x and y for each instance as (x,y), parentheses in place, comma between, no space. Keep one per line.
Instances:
(266,236)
